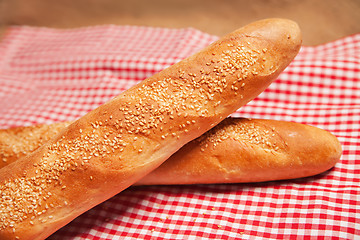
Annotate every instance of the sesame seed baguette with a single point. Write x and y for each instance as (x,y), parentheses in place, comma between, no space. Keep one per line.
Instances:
(240,150)
(115,145)
(234,151)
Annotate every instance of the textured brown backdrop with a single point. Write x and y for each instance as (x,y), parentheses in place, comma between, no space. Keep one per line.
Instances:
(321,20)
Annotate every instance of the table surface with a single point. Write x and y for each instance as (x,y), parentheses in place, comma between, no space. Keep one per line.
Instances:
(320,21)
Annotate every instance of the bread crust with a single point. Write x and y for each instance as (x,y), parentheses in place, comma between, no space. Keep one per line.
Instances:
(118,143)
(17,142)
(249,150)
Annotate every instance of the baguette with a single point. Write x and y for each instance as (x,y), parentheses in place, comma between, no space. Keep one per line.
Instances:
(118,143)
(235,151)
(249,150)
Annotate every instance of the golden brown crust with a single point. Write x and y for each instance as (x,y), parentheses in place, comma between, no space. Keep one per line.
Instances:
(19,141)
(243,150)
(118,143)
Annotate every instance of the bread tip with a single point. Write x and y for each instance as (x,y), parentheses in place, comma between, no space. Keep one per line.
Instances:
(287,29)
(337,149)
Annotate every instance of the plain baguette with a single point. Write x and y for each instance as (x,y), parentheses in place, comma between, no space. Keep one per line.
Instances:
(236,150)
(120,142)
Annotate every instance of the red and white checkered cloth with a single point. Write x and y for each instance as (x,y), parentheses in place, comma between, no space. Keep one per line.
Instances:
(49,75)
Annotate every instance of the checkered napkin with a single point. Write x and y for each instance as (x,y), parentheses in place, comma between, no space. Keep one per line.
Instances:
(49,75)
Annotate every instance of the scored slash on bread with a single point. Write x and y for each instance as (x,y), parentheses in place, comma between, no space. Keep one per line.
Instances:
(236,150)
(118,143)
